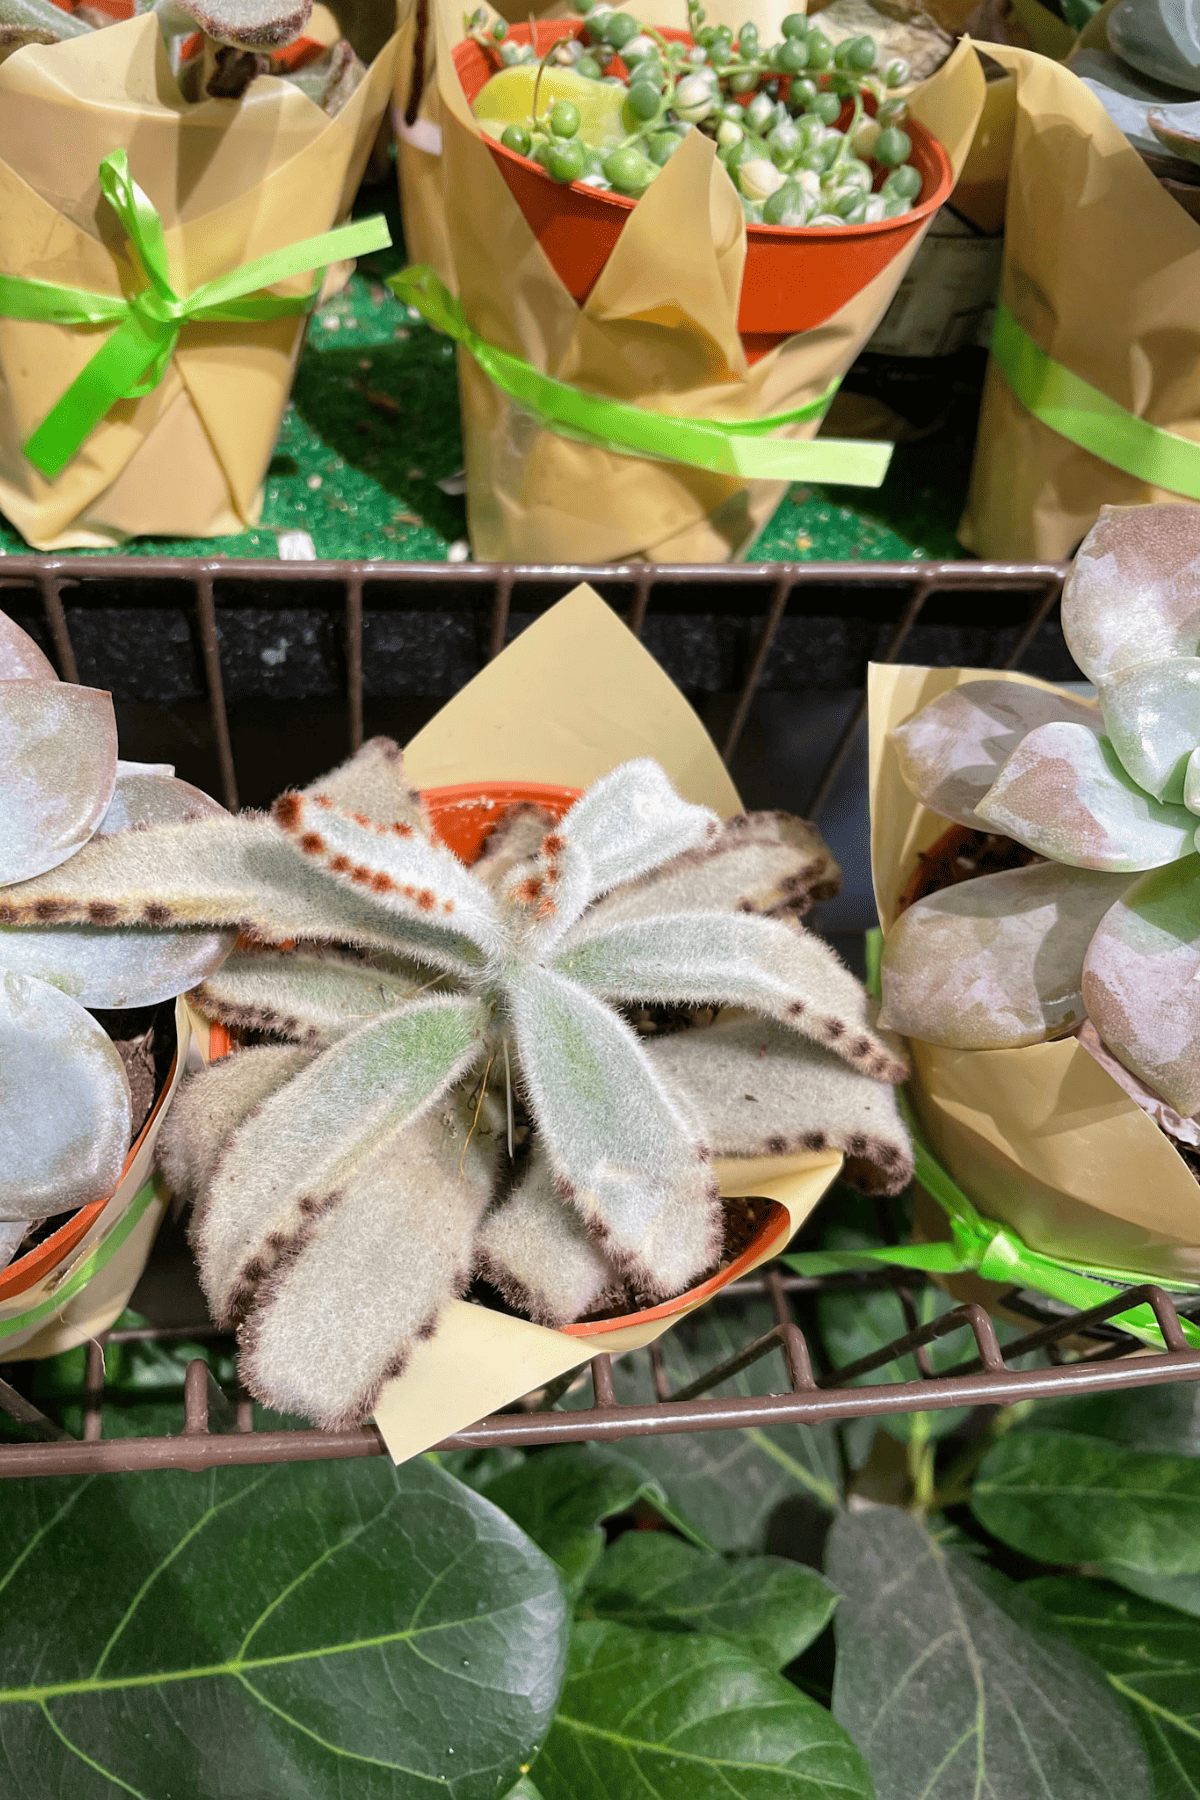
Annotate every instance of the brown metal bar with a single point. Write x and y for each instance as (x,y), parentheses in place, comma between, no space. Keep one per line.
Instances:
(602,1381)
(354,670)
(195,1398)
(1037,618)
(758,662)
(56,618)
(27,1415)
(211,652)
(93,1391)
(636,616)
(501,599)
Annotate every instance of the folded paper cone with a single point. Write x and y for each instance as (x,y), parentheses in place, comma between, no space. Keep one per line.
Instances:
(1040,1138)
(231,183)
(79,1280)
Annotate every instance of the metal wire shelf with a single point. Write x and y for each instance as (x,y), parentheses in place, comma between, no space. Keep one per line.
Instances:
(734,634)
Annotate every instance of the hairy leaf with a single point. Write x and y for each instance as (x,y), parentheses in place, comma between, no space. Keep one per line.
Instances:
(1139,983)
(1064,793)
(720,959)
(11,1233)
(1152,716)
(304,1139)
(313,998)
(561,1497)
(65,1116)
(304,1632)
(760,1090)
(20,658)
(1064,1498)
(626,1148)
(512,843)
(951,1696)
(772,1608)
(688,1718)
(58,750)
(1133,593)
(732,1486)
(373,783)
(210,1106)
(33,22)
(369,1272)
(996,962)
(250,24)
(1152,1659)
(951,752)
(536,1250)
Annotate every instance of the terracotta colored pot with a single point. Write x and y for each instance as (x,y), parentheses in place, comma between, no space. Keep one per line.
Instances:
(795,277)
(461,817)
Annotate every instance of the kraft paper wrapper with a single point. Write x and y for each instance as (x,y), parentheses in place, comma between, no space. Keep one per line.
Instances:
(232,181)
(1102,268)
(104,1298)
(658,330)
(569,699)
(1040,1138)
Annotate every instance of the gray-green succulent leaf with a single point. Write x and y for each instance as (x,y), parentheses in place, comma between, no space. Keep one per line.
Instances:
(1160,38)
(306,997)
(34,22)
(58,752)
(1107,928)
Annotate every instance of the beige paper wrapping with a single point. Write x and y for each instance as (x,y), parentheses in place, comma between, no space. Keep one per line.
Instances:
(95,1307)
(232,181)
(569,699)
(659,330)
(1039,1138)
(1102,269)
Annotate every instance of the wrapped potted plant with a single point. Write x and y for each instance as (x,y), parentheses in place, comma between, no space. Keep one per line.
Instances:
(89,1053)
(1036,876)
(546,1071)
(167,187)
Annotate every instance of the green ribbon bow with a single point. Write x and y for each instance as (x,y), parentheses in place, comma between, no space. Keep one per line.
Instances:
(1088,419)
(136,356)
(980,1246)
(742,449)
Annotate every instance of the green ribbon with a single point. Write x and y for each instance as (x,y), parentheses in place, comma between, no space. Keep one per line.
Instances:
(134,359)
(1089,419)
(979,1246)
(742,449)
(90,1265)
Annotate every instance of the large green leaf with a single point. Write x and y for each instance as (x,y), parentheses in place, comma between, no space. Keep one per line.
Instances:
(728,1483)
(560,1497)
(303,1632)
(771,1607)
(1163,1418)
(1152,1657)
(688,1718)
(1069,1499)
(854,1325)
(955,1691)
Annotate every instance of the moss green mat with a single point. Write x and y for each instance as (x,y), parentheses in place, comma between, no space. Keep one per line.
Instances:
(372,429)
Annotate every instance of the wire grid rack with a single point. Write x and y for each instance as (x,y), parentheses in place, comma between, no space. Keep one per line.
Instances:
(795,627)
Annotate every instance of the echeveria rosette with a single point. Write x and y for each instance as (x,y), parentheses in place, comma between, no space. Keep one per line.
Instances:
(1108,927)
(349,1183)
(64,1100)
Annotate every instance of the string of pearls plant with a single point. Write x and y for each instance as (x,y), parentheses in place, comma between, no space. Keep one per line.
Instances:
(773,111)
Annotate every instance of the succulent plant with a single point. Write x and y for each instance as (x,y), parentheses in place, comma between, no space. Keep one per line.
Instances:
(1148,79)
(1107,927)
(348,1183)
(217,46)
(65,1119)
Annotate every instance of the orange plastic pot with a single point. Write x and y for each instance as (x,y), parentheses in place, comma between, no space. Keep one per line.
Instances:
(795,277)
(461,817)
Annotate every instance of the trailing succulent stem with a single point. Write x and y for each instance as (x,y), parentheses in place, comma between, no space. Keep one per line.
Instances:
(476,1084)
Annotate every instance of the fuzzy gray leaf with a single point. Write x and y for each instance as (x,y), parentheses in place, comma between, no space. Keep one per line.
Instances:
(761,1091)
(951,751)
(295,994)
(369,1272)
(65,1118)
(718,959)
(373,783)
(301,1142)
(535,1248)
(227,871)
(625,1147)
(330,79)
(1132,594)
(756,862)
(250,24)
(514,841)
(211,1105)
(58,750)
(34,22)
(998,961)
(407,877)
(20,658)
(628,822)
(108,966)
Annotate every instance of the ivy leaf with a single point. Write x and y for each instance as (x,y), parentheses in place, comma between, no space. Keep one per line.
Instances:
(1064,1498)
(953,1689)
(524,1790)
(683,1717)
(773,1608)
(854,1325)
(477,1467)
(303,1632)
(1151,1657)
(1163,1418)
(560,1497)
(728,1483)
